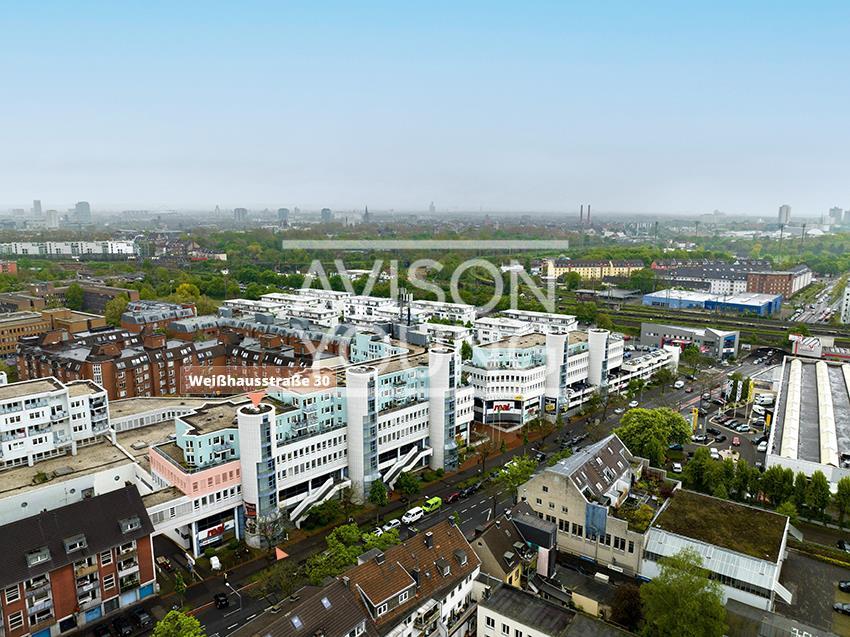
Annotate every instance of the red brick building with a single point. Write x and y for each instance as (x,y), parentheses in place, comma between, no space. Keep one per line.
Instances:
(69,567)
(8,267)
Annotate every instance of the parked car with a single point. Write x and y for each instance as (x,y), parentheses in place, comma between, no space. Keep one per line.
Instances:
(220,600)
(844,586)
(675,447)
(539,455)
(141,617)
(122,626)
(102,631)
(689,390)
(844,608)
(844,545)
(714,431)
(392,524)
(467,491)
(718,401)
(736,442)
(699,438)
(677,467)
(633,404)
(413,515)
(432,504)
(706,396)
(760,440)
(742,428)
(762,447)
(454,496)
(720,438)
(619,410)
(678,384)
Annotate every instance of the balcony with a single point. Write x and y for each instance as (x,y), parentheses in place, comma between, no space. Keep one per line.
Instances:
(89,602)
(43,603)
(85,569)
(34,586)
(88,586)
(127,568)
(129,582)
(59,415)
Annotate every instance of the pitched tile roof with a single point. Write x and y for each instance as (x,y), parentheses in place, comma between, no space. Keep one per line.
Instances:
(96,519)
(380,581)
(596,468)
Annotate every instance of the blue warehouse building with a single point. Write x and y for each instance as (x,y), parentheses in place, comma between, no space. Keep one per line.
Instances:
(745,302)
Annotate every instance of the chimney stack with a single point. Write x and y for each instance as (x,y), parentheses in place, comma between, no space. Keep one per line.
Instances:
(581,215)
(429,540)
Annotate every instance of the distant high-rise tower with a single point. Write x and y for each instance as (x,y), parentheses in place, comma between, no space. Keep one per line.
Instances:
(283,216)
(836,216)
(36,207)
(82,213)
(240,215)
(432,208)
(784,214)
(366,217)
(326,215)
(52,219)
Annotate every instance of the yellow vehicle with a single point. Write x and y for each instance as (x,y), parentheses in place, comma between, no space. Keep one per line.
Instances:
(432,504)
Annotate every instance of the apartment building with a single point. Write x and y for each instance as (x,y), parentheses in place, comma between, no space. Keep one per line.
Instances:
(63,249)
(154,315)
(8,267)
(16,325)
(73,565)
(44,418)
(490,329)
(787,283)
(125,364)
(422,586)
(543,321)
(592,270)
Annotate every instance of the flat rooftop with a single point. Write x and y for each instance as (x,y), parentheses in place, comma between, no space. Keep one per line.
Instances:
(816,425)
(736,527)
(27,387)
(213,418)
(83,388)
(530,610)
(518,342)
(134,406)
(162,496)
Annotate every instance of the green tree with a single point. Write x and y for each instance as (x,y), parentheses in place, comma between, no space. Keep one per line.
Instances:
(626,607)
(114,308)
(74,297)
(800,328)
(788,508)
(586,311)
(778,484)
(649,432)
(682,601)
(188,291)
(278,581)
(664,377)
(407,484)
(692,357)
(572,280)
(378,496)
(147,292)
(11,372)
(516,473)
(817,496)
(604,321)
(801,486)
(465,351)
(179,587)
(842,498)
(643,280)
(177,624)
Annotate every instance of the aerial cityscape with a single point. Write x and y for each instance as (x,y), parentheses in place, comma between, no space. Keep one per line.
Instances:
(459,320)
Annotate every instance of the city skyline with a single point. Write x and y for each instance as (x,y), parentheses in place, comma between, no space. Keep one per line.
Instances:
(656,109)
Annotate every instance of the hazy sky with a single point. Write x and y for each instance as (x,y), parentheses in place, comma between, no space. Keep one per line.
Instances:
(637,106)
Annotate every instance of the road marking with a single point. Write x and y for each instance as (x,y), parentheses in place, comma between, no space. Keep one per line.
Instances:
(464,510)
(232,626)
(250,617)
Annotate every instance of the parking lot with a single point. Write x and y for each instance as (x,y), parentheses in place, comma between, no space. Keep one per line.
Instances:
(814,586)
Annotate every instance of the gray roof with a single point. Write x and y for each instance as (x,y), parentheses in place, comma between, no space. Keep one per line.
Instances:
(597,467)
(98,519)
(551,620)
(331,611)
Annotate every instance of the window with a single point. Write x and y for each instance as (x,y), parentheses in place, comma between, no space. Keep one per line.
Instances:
(13,594)
(381,609)
(545,489)
(16,620)
(539,501)
(631,547)
(517,633)
(403,597)
(491,623)
(109,582)
(506,630)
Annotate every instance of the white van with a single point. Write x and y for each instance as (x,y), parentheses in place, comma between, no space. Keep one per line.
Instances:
(414,514)
(715,454)
(762,447)
(758,410)
(678,384)
(764,399)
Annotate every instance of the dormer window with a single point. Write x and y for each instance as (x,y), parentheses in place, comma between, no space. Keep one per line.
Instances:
(38,556)
(128,525)
(75,543)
